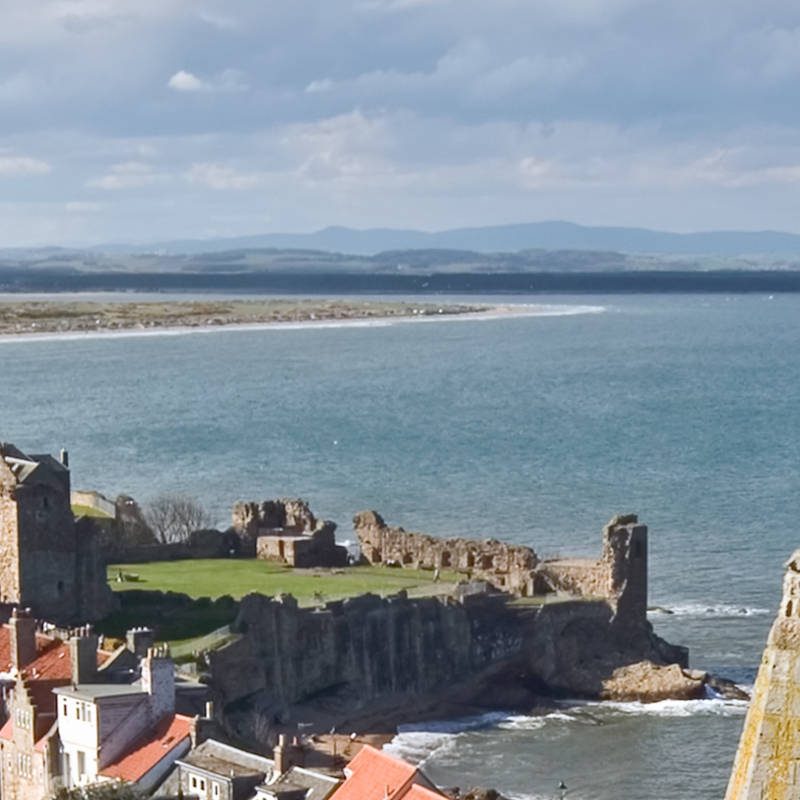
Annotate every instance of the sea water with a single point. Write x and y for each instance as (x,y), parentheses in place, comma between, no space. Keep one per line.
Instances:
(682,408)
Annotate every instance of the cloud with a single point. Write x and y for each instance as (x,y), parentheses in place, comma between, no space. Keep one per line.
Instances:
(128,175)
(82,207)
(22,165)
(183,81)
(219,176)
(229,80)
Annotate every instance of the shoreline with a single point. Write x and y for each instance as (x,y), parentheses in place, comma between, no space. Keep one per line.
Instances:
(448,313)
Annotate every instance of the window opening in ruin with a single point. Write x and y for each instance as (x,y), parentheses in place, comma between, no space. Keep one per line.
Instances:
(470,559)
(789,609)
(376,557)
(445,560)
(487,562)
(282,550)
(407,558)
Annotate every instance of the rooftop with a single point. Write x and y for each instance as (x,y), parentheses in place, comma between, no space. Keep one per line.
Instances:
(375,775)
(316,785)
(171,733)
(96,691)
(222,759)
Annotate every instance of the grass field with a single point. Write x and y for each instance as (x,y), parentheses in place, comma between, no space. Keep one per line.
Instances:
(238,577)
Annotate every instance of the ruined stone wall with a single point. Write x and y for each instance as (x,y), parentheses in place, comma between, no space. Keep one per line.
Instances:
(505,566)
(316,549)
(619,575)
(766,764)
(290,514)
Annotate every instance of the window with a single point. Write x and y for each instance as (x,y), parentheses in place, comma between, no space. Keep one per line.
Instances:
(215,790)
(81,764)
(64,706)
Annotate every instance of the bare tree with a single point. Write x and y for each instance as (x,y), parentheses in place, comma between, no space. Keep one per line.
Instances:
(173,517)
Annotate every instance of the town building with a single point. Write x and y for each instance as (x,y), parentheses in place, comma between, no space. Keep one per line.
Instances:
(375,775)
(47,562)
(129,732)
(33,664)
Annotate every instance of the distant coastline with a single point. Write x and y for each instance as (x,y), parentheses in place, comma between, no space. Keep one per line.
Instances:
(21,280)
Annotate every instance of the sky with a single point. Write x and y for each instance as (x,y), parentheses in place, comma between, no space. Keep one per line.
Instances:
(144,120)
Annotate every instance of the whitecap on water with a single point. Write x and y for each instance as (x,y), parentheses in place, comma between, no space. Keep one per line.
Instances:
(708,610)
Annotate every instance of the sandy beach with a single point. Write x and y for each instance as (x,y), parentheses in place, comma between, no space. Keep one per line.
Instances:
(45,319)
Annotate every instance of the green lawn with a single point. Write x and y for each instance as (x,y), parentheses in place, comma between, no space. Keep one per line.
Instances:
(89,511)
(238,577)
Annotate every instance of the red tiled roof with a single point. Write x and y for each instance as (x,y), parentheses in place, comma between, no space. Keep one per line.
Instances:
(169,734)
(417,792)
(51,668)
(375,775)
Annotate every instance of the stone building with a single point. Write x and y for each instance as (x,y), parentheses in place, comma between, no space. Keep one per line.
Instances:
(33,665)
(47,561)
(767,763)
(285,531)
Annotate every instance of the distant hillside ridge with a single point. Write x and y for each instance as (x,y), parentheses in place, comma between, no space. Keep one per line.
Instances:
(554,235)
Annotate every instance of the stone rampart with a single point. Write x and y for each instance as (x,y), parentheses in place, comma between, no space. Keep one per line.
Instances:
(382,658)
(506,566)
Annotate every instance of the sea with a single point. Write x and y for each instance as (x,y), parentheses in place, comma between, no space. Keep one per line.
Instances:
(684,409)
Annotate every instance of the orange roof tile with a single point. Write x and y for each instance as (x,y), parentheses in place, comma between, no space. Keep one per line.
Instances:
(417,792)
(7,731)
(375,775)
(168,735)
(51,668)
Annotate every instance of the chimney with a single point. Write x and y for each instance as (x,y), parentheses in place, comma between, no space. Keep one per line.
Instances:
(65,458)
(282,755)
(23,638)
(139,641)
(83,655)
(204,727)
(158,680)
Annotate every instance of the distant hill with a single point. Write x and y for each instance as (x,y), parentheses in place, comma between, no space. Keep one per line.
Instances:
(492,239)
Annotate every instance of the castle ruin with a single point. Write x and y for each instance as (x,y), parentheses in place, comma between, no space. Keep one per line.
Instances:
(48,562)
(287,532)
(619,576)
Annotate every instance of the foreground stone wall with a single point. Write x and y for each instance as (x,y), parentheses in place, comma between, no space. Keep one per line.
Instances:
(505,566)
(767,762)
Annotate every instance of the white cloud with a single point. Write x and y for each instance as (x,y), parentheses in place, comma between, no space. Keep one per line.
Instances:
(219,176)
(22,165)
(82,207)
(229,80)
(128,175)
(183,81)
(319,86)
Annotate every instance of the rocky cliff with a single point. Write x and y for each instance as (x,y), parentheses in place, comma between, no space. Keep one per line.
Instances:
(396,658)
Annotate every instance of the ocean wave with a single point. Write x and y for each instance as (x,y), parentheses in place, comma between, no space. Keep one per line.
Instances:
(708,610)
(417,742)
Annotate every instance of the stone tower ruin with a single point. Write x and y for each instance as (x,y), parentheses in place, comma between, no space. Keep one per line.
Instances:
(47,562)
(767,762)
